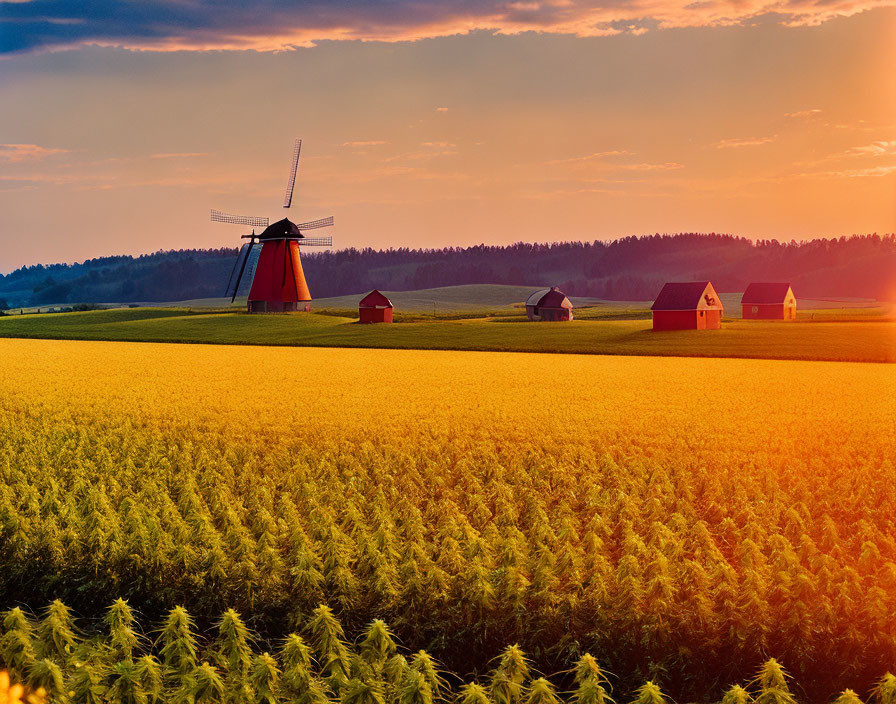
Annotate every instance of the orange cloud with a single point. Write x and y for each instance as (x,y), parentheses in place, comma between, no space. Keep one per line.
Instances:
(423,154)
(26,152)
(179,155)
(880,148)
(596,156)
(237,26)
(666,166)
(610,160)
(873,172)
(803,113)
(746,142)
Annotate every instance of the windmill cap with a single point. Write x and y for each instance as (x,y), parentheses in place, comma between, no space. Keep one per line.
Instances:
(281,228)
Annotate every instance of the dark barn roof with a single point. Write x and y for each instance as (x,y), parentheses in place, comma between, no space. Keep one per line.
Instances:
(686,296)
(375,299)
(281,228)
(549,298)
(765,293)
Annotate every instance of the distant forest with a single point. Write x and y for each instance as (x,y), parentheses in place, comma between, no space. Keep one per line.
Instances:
(632,268)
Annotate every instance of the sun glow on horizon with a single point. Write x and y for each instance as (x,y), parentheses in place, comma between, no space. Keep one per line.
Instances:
(459,140)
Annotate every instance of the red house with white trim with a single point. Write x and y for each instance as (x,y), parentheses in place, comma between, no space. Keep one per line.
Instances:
(375,308)
(768,301)
(693,305)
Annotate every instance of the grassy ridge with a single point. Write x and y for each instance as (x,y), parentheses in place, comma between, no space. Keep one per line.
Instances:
(473,297)
(493,299)
(480,300)
(852,340)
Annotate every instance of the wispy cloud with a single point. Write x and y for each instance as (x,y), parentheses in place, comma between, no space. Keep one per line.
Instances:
(591,191)
(421,154)
(179,155)
(397,171)
(872,172)
(27,152)
(665,166)
(595,156)
(736,142)
(802,114)
(364,143)
(231,24)
(110,174)
(880,148)
(614,159)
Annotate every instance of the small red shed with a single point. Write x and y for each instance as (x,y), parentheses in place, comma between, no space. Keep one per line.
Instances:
(375,308)
(768,301)
(687,306)
(549,304)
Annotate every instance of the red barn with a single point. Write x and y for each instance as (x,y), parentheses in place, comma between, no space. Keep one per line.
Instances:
(687,306)
(549,304)
(765,301)
(375,308)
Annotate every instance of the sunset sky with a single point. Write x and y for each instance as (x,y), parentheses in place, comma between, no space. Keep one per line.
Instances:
(442,123)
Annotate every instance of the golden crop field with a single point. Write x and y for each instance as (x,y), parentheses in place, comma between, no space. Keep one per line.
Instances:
(679,519)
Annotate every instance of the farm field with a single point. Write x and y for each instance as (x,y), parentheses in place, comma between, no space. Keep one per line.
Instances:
(475,299)
(446,300)
(483,297)
(488,300)
(828,338)
(499,299)
(681,520)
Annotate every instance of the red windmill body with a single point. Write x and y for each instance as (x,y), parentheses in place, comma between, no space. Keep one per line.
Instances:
(275,268)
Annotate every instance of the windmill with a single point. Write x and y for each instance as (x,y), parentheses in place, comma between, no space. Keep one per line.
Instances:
(278,282)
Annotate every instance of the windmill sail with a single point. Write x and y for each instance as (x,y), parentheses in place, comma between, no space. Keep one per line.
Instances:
(245,282)
(291,180)
(315,224)
(237,270)
(315,242)
(218,216)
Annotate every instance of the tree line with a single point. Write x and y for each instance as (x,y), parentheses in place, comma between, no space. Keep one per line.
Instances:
(630,268)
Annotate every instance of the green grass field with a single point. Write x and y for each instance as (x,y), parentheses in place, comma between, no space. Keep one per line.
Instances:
(861,341)
(471,300)
(498,300)
(455,299)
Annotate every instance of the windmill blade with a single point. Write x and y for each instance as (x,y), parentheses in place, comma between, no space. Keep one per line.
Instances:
(250,272)
(249,275)
(315,242)
(315,224)
(291,180)
(218,216)
(237,270)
